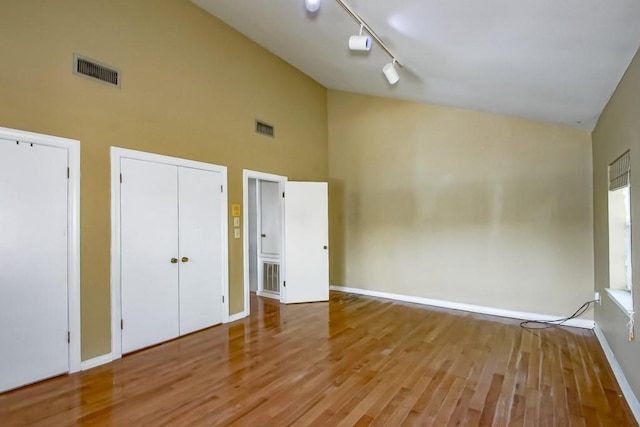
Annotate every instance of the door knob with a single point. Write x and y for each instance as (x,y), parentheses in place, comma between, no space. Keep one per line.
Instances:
(174,260)
(263,235)
(185,259)
(324,247)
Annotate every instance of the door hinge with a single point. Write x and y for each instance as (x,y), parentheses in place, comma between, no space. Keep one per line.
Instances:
(68,173)
(121,324)
(284,283)
(221,189)
(68,337)
(283,194)
(223,298)
(120,178)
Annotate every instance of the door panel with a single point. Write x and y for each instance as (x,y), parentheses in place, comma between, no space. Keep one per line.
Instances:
(306,240)
(201,276)
(33,263)
(149,239)
(270,218)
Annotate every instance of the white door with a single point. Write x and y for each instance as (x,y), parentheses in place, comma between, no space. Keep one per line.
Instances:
(201,270)
(149,253)
(306,242)
(33,263)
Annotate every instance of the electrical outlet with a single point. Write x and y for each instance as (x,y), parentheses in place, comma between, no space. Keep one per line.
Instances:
(596,296)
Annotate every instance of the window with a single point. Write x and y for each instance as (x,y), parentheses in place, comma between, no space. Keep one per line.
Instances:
(620,267)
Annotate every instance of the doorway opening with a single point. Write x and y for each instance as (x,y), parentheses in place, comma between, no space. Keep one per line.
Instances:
(263,245)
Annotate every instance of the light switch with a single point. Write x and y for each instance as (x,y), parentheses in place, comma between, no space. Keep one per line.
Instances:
(236,222)
(236,233)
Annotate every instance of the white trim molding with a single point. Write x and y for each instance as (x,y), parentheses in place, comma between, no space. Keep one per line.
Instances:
(97,361)
(522,315)
(622,298)
(236,317)
(627,391)
(117,154)
(73,222)
(248,174)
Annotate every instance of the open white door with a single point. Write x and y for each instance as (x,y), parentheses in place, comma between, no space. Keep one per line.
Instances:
(306,226)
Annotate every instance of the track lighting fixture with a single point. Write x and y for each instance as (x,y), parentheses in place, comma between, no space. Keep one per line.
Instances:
(391,73)
(360,42)
(312,5)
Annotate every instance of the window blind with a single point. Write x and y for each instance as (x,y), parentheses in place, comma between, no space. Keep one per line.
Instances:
(619,172)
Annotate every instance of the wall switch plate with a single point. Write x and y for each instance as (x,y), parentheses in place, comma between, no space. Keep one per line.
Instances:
(236,221)
(236,233)
(596,296)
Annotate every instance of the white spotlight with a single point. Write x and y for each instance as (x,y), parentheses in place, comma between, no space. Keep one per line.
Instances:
(360,42)
(390,72)
(312,5)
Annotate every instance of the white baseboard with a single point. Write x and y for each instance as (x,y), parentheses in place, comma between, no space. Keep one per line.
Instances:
(268,295)
(628,393)
(237,316)
(578,323)
(96,361)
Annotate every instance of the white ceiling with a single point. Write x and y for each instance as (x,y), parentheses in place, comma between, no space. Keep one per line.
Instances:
(556,61)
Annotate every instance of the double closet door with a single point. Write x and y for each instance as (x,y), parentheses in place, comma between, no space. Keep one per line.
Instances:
(171,251)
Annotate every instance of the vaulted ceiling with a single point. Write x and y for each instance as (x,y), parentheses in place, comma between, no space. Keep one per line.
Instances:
(556,61)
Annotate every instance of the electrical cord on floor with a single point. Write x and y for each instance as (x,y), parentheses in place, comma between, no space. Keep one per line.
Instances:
(556,322)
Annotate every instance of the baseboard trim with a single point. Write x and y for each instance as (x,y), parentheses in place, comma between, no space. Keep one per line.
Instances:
(268,295)
(237,316)
(96,361)
(577,323)
(628,393)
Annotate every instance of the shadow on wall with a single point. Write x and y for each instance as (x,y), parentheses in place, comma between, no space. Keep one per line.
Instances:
(518,202)
(336,233)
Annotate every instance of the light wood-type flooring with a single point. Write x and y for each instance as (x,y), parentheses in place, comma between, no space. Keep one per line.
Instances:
(353,361)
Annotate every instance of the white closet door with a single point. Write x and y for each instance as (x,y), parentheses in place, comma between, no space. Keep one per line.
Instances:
(149,241)
(33,263)
(306,228)
(201,249)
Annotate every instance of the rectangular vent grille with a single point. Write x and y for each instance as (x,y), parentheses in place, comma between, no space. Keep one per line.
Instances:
(265,129)
(94,70)
(271,277)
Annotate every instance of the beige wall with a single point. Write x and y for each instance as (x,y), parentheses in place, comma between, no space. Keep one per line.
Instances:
(191,87)
(459,205)
(618,130)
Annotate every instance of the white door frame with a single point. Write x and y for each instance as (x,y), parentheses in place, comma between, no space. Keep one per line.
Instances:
(73,225)
(246,176)
(118,153)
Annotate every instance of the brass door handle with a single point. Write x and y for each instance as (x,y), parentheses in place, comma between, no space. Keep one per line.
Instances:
(185,259)
(174,260)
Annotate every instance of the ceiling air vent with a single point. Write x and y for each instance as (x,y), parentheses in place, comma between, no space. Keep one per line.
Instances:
(265,129)
(94,70)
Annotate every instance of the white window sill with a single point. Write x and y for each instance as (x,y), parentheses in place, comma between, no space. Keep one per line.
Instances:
(622,299)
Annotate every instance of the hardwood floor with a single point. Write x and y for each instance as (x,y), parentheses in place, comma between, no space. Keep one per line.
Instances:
(353,361)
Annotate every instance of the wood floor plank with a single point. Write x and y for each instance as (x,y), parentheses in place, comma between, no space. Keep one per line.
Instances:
(351,361)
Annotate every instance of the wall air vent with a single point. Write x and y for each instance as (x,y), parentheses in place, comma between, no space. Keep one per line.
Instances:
(265,129)
(94,70)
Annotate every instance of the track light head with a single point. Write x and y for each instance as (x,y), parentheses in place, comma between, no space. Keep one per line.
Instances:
(391,73)
(360,42)
(312,5)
